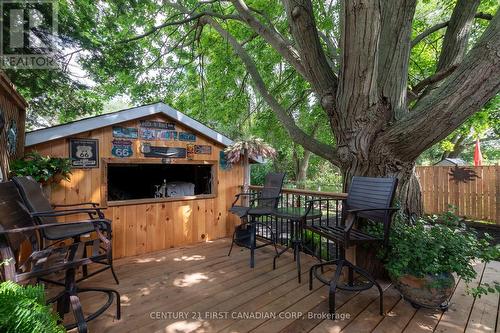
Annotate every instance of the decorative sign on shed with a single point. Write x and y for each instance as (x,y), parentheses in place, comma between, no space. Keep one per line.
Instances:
(156,134)
(84,153)
(184,136)
(157,125)
(122,148)
(190,151)
(163,152)
(203,149)
(125,132)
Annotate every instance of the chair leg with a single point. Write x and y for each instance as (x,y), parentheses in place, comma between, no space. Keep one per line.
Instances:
(311,277)
(367,275)
(299,273)
(114,274)
(252,248)
(232,243)
(78,313)
(85,270)
(333,287)
(274,239)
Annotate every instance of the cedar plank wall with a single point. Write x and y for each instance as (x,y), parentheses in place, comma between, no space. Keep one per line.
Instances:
(13,107)
(144,228)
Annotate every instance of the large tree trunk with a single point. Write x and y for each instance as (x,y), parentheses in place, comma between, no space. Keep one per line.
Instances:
(408,195)
(303,166)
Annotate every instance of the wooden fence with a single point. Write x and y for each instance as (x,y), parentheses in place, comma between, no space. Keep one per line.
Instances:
(476,197)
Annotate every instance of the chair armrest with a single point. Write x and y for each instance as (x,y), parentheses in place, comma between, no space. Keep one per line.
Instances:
(352,216)
(355,211)
(248,194)
(97,223)
(93,204)
(263,198)
(65,212)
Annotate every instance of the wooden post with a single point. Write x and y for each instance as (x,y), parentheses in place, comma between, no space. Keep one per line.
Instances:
(246,177)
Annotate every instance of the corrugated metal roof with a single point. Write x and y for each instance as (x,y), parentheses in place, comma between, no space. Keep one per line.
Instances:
(109,119)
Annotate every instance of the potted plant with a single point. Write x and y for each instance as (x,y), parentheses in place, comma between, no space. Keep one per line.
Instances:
(44,169)
(246,149)
(424,254)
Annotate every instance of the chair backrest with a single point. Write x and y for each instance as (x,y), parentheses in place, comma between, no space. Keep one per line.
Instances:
(34,198)
(13,214)
(370,192)
(273,185)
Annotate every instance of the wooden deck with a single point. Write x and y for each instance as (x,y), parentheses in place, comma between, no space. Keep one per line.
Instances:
(184,289)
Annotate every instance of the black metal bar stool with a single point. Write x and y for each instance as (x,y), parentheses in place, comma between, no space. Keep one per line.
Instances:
(368,198)
(261,204)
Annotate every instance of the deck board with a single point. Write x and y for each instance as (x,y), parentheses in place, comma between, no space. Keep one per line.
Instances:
(202,280)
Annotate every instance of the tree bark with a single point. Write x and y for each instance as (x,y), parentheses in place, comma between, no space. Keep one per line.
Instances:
(302,169)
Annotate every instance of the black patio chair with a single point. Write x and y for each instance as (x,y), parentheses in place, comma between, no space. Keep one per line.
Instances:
(368,198)
(36,201)
(18,226)
(261,203)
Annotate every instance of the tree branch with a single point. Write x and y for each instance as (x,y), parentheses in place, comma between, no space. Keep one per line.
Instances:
(441,75)
(475,81)
(271,36)
(169,23)
(457,34)
(318,71)
(297,134)
(394,53)
(439,26)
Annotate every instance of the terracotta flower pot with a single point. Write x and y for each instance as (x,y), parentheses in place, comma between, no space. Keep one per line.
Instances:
(430,291)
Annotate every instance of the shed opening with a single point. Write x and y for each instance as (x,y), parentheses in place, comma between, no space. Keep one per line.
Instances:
(156,181)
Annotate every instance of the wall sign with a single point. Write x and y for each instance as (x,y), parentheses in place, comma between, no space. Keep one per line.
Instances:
(145,147)
(164,152)
(147,134)
(122,148)
(203,149)
(184,136)
(223,161)
(155,134)
(12,138)
(157,125)
(168,135)
(84,153)
(125,132)
(190,152)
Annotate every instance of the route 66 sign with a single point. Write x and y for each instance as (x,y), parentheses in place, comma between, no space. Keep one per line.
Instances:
(122,148)
(84,153)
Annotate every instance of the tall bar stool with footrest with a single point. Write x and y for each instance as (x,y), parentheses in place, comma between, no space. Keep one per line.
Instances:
(262,203)
(17,227)
(368,198)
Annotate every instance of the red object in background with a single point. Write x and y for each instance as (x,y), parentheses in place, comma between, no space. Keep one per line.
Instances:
(478,158)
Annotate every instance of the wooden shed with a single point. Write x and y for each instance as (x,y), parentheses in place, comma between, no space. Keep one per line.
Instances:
(12,124)
(161,175)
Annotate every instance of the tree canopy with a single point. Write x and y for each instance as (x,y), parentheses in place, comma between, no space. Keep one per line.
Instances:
(340,79)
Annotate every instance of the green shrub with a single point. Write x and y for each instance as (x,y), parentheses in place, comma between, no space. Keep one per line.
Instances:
(42,168)
(435,245)
(23,310)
